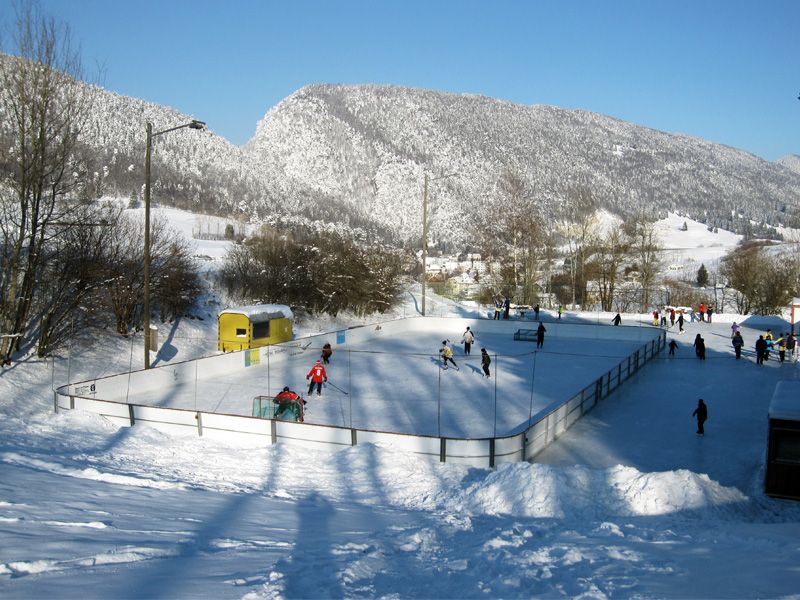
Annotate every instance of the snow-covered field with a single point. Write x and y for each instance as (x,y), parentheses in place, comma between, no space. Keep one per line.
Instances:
(628,503)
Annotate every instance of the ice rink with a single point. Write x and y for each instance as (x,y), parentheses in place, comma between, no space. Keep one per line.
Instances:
(392,379)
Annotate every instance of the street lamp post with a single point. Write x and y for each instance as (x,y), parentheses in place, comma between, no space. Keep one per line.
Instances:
(193,124)
(425,233)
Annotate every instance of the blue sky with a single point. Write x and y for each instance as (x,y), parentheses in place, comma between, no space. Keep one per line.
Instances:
(727,71)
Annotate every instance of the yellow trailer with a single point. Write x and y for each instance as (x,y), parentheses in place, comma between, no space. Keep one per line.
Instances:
(248,327)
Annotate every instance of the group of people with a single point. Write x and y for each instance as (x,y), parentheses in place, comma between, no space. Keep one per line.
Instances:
(289,402)
(767,342)
(446,353)
(502,306)
(703,314)
(660,318)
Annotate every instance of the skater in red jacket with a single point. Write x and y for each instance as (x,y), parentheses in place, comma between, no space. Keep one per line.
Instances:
(317,375)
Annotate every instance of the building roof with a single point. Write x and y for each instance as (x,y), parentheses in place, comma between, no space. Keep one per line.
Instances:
(261,312)
(785,403)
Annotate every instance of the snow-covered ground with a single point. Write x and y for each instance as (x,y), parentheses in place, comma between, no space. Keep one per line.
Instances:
(630,502)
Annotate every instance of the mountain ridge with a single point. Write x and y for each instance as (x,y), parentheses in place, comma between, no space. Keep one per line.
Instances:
(353,158)
(356,140)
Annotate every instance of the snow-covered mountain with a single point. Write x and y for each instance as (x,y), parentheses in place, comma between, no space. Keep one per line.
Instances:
(354,157)
(370,145)
(791,161)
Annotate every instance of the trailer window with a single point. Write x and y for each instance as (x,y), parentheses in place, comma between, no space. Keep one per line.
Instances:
(786,445)
(241,332)
(260,330)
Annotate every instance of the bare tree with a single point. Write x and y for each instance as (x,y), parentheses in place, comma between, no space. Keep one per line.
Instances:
(71,302)
(742,267)
(42,108)
(612,250)
(578,228)
(646,250)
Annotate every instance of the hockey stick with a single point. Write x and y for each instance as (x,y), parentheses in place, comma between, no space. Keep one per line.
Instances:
(338,388)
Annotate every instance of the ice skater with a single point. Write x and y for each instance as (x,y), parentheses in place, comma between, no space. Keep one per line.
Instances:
(701,412)
(467,339)
(317,375)
(289,402)
(737,342)
(327,351)
(540,335)
(700,347)
(447,354)
(672,345)
(485,362)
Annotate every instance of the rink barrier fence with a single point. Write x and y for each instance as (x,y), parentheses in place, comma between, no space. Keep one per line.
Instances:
(543,428)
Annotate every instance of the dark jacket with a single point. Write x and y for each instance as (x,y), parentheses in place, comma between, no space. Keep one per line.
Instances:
(701,412)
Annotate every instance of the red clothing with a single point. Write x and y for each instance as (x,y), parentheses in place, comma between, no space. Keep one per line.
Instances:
(287,397)
(317,374)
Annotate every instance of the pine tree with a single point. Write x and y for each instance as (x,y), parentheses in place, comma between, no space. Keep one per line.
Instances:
(702,276)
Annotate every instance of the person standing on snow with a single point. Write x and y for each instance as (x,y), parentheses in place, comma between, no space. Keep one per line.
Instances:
(485,362)
(709,312)
(791,343)
(680,323)
(701,412)
(561,310)
(671,317)
(447,354)
(672,345)
(498,306)
(702,310)
(780,343)
(761,349)
(617,319)
(467,339)
(768,338)
(317,375)
(738,342)
(540,335)
(734,329)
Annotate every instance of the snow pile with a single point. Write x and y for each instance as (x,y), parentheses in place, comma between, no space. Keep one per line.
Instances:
(580,493)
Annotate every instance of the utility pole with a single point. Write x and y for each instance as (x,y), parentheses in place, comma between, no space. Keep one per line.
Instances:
(424,241)
(425,233)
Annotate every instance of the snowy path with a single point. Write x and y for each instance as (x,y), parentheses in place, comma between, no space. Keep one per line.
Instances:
(650,427)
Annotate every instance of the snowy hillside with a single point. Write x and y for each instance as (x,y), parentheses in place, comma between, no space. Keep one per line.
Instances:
(792,162)
(353,158)
(369,146)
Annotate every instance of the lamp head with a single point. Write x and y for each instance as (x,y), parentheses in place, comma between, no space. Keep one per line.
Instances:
(195,124)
